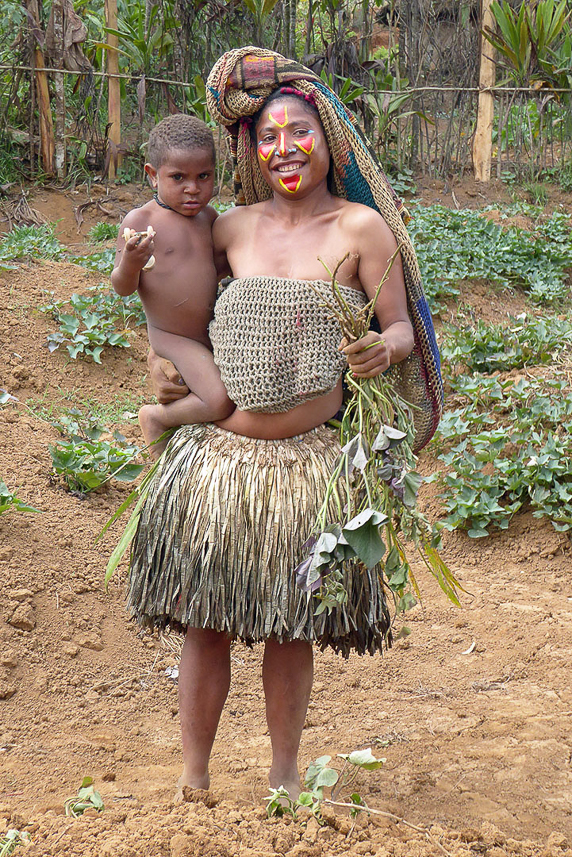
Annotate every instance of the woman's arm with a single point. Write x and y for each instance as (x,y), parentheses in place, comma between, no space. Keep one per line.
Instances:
(220,244)
(375,352)
(167,384)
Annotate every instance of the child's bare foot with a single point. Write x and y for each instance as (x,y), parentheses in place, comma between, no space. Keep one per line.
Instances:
(152,428)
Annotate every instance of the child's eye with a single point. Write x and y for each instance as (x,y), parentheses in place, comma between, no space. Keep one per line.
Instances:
(204,176)
(177,177)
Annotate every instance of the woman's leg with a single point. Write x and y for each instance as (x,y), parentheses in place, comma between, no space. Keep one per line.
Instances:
(287,674)
(204,680)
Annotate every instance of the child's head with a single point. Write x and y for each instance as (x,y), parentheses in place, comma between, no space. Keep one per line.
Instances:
(181,163)
(181,132)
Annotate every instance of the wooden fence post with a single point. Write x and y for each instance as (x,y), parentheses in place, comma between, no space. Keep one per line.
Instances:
(47,143)
(114,97)
(483,139)
(59,89)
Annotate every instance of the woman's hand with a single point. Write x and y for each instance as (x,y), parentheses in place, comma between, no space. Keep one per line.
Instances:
(367,357)
(167,384)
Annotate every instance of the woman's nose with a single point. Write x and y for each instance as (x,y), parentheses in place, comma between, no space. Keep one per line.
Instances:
(283,148)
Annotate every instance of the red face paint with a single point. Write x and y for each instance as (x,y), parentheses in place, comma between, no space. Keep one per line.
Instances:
(291,183)
(279,116)
(265,150)
(306,144)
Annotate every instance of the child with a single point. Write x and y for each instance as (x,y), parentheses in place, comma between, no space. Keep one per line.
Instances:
(172,266)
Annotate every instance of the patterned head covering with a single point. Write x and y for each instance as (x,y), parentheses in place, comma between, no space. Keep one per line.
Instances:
(238,86)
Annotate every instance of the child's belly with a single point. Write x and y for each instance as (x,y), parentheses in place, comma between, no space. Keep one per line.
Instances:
(185,314)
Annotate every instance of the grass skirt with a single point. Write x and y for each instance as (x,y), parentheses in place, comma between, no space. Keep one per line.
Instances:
(222,531)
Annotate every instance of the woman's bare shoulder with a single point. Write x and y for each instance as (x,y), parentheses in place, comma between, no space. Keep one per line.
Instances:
(235,220)
(356,212)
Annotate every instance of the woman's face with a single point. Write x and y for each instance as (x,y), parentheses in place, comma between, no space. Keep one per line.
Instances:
(293,152)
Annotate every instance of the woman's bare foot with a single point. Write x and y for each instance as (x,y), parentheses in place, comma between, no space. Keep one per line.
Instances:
(152,427)
(290,783)
(187,783)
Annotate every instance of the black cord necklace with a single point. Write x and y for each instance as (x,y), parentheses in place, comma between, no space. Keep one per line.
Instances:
(162,204)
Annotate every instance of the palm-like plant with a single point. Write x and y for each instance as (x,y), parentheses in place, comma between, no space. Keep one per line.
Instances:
(527,40)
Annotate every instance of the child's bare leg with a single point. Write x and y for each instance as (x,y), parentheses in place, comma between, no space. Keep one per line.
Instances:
(287,674)
(208,400)
(204,680)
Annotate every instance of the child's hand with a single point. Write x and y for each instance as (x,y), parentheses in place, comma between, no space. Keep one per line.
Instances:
(139,246)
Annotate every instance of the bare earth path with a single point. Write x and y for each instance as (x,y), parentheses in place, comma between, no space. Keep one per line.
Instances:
(472,711)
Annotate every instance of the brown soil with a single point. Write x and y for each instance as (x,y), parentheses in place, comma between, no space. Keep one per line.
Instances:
(471,711)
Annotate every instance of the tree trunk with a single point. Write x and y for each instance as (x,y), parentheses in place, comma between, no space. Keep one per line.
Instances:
(309,29)
(114,98)
(290,28)
(47,143)
(410,31)
(483,140)
(60,97)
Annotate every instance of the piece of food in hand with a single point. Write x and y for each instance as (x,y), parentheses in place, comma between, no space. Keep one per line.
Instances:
(132,233)
(148,233)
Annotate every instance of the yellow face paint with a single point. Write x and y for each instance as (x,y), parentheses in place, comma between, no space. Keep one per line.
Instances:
(279,117)
(306,145)
(265,150)
(291,184)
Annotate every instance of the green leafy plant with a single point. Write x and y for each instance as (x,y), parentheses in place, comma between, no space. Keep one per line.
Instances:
(34,241)
(489,348)
(453,246)
(523,460)
(101,232)
(525,39)
(8,500)
(85,465)
(87,798)
(136,499)
(321,775)
(97,319)
(374,488)
(101,262)
(10,840)
(347,89)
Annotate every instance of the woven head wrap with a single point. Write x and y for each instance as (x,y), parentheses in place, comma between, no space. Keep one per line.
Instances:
(237,87)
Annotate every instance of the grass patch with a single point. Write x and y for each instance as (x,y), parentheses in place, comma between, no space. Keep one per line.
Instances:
(113,412)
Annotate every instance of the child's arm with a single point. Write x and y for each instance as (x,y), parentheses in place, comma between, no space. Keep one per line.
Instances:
(131,256)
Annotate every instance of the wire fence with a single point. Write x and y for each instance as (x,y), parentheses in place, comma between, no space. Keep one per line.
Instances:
(424,127)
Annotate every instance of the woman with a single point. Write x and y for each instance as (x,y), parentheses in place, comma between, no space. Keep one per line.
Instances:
(225,522)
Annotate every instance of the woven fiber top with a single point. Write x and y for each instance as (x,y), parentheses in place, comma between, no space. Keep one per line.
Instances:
(274,343)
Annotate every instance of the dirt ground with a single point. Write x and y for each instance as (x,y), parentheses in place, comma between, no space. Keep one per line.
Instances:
(471,711)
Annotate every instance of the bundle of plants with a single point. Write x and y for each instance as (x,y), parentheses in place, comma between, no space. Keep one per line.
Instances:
(374,487)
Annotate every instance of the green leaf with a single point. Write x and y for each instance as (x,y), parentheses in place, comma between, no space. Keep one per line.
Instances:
(128,472)
(363,759)
(327,777)
(362,534)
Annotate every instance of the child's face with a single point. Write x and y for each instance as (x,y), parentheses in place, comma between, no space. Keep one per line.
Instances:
(185,180)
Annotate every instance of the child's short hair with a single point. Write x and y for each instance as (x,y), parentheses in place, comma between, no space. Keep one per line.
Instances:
(178,131)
